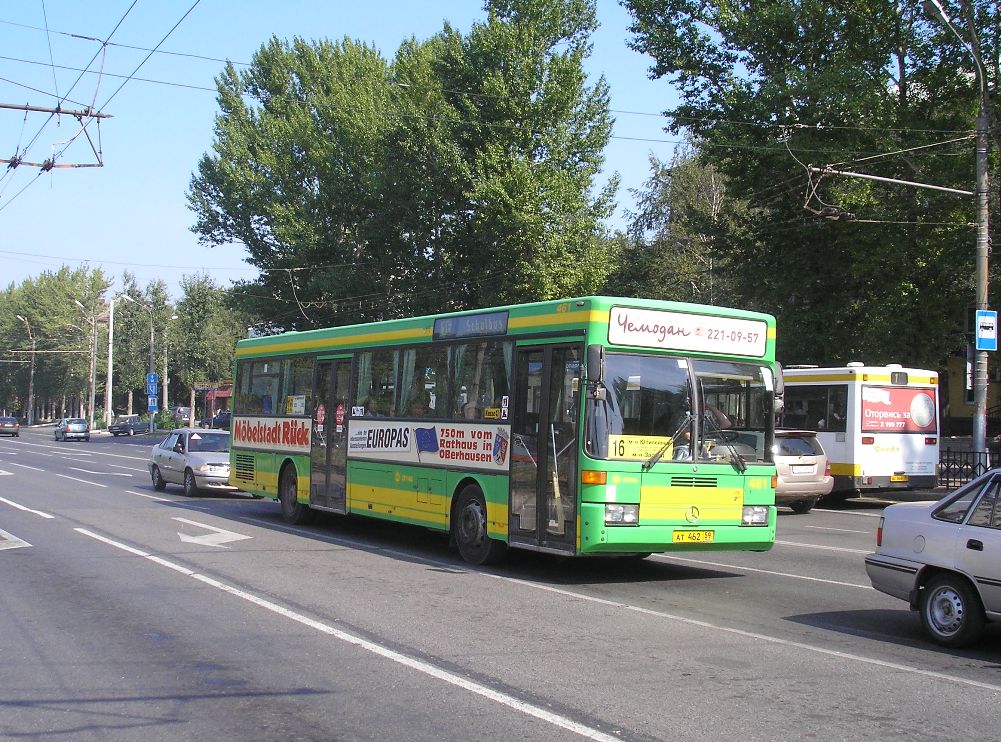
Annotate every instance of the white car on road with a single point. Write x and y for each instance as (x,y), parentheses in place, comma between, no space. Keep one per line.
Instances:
(195,459)
(944,559)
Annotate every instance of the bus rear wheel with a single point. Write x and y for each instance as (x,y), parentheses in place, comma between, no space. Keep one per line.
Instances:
(293,511)
(470,529)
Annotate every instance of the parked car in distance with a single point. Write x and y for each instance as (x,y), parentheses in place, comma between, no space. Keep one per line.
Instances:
(195,459)
(10,426)
(128,425)
(944,559)
(803,469)
(221,420)
(181,413)
(72,428)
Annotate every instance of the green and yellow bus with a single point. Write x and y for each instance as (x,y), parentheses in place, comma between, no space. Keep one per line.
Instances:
(564,426)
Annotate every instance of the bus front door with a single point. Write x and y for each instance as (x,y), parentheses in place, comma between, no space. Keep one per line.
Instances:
(328,450)
(544,448)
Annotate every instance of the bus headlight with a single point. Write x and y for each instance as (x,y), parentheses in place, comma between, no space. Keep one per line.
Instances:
(754,515)
(626,514)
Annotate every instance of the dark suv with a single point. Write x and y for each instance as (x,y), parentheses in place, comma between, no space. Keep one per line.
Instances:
(221,420)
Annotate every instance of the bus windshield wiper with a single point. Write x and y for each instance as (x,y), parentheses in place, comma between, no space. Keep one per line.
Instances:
(735,458)
(660,451)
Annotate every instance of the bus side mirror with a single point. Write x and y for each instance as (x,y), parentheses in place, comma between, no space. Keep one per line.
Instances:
(596,371)
(595,364)
(780,390)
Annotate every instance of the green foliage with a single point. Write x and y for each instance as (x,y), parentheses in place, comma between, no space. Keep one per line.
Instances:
(459,175)
(768,90)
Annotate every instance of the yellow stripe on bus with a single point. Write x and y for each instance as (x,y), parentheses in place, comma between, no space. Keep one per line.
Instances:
(674,503)
(857,377)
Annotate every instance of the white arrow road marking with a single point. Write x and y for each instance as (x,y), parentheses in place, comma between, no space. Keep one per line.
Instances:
(9,541)
(218,538)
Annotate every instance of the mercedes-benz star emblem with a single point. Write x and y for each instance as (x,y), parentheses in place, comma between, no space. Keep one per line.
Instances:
(692,514)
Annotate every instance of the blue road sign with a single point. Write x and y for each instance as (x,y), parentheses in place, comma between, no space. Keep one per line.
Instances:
(987,329)
(151,381)
(152,403)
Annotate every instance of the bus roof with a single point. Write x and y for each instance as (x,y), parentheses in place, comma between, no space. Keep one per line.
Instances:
(857,372)
(579,313)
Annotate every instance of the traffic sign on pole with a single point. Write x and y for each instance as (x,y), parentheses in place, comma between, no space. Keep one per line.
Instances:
(151,383)
(987,329)
(151,403)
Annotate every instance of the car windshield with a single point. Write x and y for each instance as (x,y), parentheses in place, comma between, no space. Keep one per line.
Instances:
(797,445)
(208,443)
(647,412)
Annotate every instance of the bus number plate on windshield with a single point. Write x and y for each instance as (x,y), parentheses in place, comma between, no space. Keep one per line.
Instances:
(693,537)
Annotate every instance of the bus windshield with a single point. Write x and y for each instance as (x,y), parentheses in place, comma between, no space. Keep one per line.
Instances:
(654,406)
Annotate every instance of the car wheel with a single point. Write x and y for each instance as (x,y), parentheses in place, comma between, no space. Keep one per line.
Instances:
(293,511)
(951,611)
(131,431)
(190,488)
(470,529)
(159,483)
(802,507)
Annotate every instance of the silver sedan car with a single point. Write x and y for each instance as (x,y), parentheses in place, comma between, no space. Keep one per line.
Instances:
(944,559)
(196,459)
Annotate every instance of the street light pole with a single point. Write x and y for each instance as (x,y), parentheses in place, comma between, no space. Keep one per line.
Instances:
(166,378)
(31,373)
(93,361)
(152,356)
(109,375)
(983,239)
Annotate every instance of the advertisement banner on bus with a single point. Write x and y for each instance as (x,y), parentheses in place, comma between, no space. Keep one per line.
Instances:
(288,435)
(485,447)
(894,409)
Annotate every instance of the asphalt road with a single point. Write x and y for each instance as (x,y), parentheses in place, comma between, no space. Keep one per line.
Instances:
(130,614)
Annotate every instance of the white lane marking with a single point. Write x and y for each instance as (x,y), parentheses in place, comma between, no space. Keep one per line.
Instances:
(101,473)
(25,466)
(218,538)
(761,571)
(77,479)
(842,530)
(6,473)
(10,541)
(848,512)
(63,451)
(824,548)
(369,646)
(128,468)
(151,497)
(27,510)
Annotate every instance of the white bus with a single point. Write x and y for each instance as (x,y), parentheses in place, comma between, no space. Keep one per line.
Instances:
(878,424)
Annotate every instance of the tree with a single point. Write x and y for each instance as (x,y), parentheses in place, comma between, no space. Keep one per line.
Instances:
(206,331)
(681,234)
(767,91)
(457,176)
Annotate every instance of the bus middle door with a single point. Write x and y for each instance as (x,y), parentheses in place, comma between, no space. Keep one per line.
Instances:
(544,447)
(328,447)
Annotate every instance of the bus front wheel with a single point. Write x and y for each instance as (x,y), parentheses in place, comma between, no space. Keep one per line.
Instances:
(293,511)
(470,529)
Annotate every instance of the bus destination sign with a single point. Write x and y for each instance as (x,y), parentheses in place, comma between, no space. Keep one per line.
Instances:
(651,328)
(470,326)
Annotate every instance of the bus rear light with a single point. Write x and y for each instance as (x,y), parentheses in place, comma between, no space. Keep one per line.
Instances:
(868,440)
(588,476)
(931,441)
(879,533)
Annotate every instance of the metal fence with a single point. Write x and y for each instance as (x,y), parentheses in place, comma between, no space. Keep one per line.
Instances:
(956,468)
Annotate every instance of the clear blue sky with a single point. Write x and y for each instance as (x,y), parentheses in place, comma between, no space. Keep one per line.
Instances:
(132,213)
